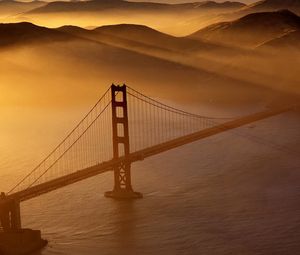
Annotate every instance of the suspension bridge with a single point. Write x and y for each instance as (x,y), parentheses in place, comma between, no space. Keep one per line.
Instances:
(123,127)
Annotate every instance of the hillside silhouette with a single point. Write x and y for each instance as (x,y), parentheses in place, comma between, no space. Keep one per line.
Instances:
(288,42)
(25,32)
(251,30)
(67,57)
(273,5)
(142,48)
(139,36)
(145,40)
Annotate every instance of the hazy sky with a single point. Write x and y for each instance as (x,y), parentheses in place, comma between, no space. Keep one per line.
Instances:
(185,1)
(165,1)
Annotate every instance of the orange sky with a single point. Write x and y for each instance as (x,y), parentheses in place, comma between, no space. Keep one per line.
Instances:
(164,1)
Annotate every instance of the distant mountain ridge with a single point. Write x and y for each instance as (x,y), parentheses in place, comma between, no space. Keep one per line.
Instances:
(12,7)
(97,5)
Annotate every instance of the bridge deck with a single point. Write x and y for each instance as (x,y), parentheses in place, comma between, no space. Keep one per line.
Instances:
(140,155)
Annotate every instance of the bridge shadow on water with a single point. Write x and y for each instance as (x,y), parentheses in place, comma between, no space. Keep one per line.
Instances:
(125,221)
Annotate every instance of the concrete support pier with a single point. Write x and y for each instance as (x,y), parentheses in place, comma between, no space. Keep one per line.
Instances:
(21,242)
(123,194)
(13,239)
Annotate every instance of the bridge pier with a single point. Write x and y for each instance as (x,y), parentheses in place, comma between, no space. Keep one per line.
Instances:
(10,214)
(122,172)
(15,215)
(13,238)
(122,187)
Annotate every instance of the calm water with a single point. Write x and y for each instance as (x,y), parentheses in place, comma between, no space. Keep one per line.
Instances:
(233,193)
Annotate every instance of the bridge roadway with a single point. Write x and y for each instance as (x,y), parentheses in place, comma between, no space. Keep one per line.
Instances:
(60,182)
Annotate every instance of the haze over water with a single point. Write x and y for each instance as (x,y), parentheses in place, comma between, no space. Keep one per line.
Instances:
(233,193)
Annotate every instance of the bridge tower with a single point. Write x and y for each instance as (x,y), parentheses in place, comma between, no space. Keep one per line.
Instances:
(121,146)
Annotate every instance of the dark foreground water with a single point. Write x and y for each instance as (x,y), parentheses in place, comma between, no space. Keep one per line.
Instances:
(233,193)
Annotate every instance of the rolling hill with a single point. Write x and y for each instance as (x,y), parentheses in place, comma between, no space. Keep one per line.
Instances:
(251,30)
(73,60)
(134,36)
(134,52)
(273,5)
(24,33)
(288,42)
(145,40)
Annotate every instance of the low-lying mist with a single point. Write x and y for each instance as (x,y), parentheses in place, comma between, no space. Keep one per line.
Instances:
(71,65)
(76,72)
